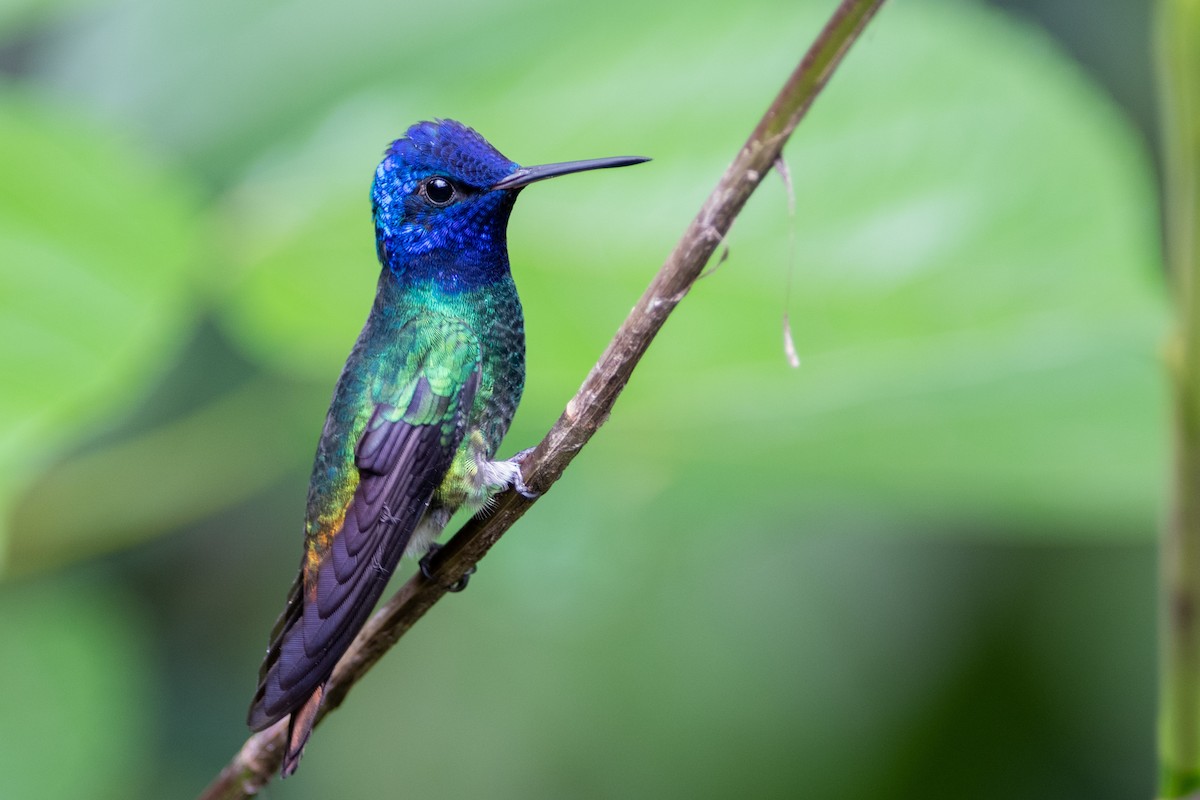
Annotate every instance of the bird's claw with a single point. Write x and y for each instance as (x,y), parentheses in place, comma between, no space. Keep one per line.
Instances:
(523,490)
(423,564)
(427,570)
(518,481)
(461,583)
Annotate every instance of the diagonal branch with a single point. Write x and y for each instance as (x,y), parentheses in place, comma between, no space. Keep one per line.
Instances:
(260,756)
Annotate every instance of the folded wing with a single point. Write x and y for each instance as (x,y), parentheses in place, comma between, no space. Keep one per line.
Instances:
(402,455)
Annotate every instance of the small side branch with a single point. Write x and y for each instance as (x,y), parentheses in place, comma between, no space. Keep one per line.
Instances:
(259,758)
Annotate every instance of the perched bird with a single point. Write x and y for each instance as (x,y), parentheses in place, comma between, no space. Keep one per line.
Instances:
(425,397)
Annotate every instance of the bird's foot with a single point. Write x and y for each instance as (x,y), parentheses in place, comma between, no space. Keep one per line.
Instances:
(427,571)
(517,481)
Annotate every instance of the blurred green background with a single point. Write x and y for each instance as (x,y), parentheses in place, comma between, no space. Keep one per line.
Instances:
(920,566)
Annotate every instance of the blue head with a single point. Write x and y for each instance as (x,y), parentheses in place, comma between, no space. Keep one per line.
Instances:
(441,200)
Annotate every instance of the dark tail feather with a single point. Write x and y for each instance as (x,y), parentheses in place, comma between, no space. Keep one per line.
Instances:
(260,716)
(300,727)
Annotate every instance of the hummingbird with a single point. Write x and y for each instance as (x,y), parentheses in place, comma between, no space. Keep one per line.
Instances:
(424,399)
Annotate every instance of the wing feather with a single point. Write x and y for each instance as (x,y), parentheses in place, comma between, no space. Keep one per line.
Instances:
(405,449)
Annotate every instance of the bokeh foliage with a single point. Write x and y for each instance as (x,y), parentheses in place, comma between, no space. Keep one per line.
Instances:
(756,578)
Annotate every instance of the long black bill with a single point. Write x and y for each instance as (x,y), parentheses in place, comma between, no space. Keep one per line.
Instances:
(527,175)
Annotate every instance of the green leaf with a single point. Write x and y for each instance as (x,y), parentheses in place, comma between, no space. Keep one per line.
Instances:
(96,244)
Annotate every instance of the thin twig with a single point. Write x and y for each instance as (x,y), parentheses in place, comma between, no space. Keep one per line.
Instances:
(259,758)
(1179,703)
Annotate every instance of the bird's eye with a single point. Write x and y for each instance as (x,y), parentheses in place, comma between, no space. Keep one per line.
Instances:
(438,191)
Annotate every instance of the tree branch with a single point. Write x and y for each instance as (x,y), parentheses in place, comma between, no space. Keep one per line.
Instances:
(260,756)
